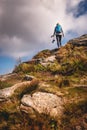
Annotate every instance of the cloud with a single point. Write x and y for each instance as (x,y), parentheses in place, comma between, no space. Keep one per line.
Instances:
(81,9)
(26,25)
(77,9)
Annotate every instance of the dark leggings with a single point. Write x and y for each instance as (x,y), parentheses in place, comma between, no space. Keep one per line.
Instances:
(58,38)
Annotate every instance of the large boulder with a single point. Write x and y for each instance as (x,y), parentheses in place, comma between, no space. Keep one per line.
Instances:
(42,102)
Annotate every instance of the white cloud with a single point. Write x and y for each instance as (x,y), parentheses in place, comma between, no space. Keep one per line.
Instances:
(74,2)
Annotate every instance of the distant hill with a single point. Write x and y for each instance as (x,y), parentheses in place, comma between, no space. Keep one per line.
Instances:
(47,92)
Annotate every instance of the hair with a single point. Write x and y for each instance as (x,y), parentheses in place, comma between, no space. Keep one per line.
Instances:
(57,24)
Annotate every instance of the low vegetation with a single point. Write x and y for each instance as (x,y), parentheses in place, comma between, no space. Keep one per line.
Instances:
(66,77)
(73,115)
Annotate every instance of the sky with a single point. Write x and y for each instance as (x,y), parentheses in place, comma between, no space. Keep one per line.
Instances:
(26,27)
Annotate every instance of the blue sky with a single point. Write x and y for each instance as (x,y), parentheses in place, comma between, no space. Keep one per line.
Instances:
(6,64)
(26,27)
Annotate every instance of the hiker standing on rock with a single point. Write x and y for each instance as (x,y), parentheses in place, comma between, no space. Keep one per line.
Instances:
(58,32)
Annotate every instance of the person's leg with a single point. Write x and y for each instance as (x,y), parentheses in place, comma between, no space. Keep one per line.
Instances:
(57,38)
(60,37)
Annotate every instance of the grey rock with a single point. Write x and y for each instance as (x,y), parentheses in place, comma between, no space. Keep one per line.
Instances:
(48,60)
(6,93)
(81,41)
(42,102)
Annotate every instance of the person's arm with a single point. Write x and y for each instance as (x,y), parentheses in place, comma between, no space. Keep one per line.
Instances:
(62,32)
(53,33)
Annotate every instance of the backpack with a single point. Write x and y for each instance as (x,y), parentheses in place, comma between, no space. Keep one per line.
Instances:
(58,29)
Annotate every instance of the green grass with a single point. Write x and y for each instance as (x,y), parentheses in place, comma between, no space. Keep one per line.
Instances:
(76,93)
(43,54)
(5,84)
(25,89)
(39,68)
(24,68)
(77,90)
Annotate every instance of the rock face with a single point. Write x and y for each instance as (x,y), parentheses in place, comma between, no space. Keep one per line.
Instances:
(82,41)
(41,102)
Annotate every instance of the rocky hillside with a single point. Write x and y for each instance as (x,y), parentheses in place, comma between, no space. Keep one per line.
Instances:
(48,92)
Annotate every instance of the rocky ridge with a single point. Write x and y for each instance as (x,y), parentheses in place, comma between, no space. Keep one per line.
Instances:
(49,91)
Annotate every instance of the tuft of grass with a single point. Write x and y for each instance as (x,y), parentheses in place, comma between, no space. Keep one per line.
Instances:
(62,81)
(5,84)
(43,54)
(39,67)
(24,67)
(53,67)
(76,94)
(50,89)
(80,65)
(26,89)
(77,90)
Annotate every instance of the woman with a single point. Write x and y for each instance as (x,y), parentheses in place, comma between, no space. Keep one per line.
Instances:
(58,32)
